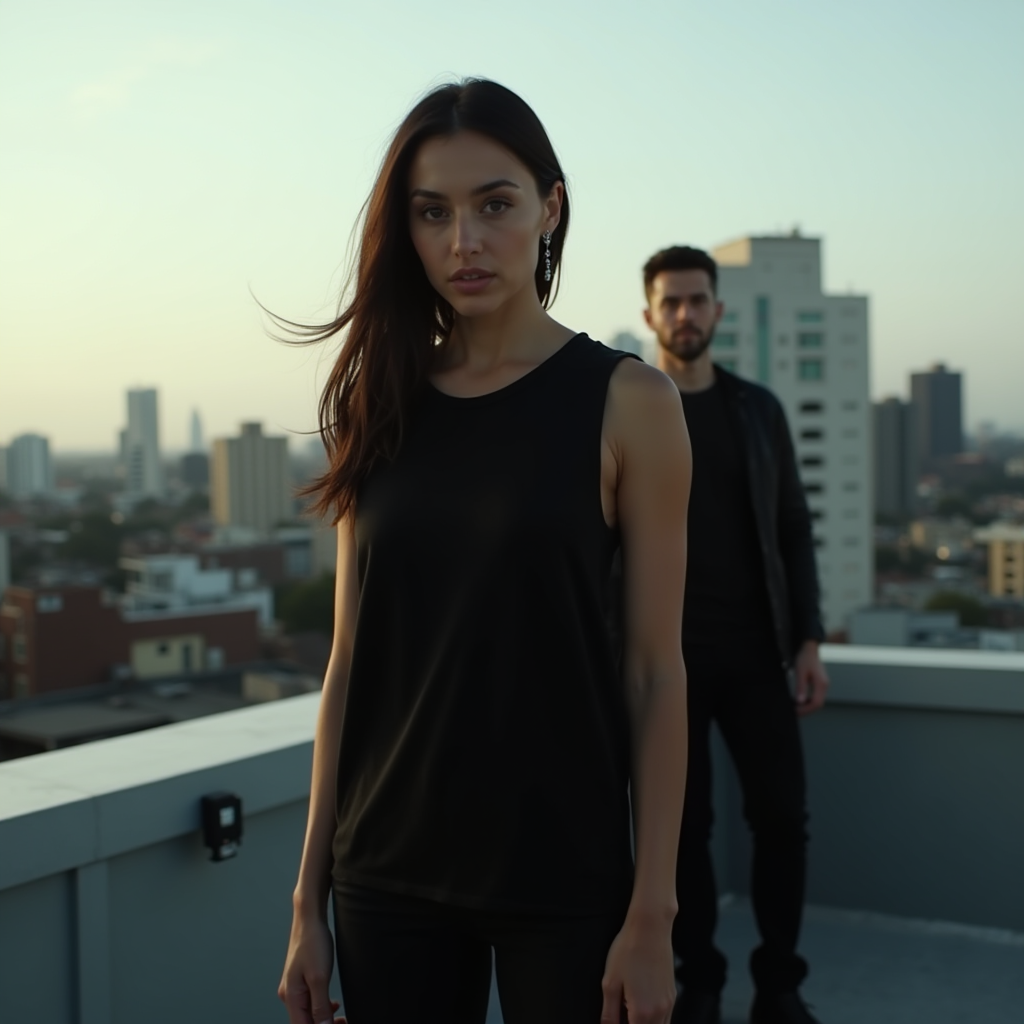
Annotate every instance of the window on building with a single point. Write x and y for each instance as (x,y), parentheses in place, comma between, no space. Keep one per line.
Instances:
(729,316)
(21,687)
(814,487)
(727,364)
(49,603)
(763,310)
(810,461)
(726,339)
(819,542)
(851,432)
(162,648)
(810,339)
(852,405)
(810,316)
(851,485)
(851,542)
(812,407)
(817,514)
(810,369)
(811,434)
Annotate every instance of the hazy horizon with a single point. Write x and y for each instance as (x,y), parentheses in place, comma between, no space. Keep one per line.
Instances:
(161,160)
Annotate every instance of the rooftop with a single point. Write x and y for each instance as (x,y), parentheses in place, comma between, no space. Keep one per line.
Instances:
(916,775)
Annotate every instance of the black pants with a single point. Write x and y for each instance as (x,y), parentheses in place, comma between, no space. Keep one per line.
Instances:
(407,960)
(744,689)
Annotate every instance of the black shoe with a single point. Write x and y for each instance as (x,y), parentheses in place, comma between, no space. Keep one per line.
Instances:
(780,1008)
(695,1007)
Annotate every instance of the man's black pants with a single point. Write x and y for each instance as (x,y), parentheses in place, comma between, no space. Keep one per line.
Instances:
(744,689)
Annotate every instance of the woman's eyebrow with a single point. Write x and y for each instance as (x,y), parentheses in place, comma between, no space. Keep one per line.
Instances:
(426,193)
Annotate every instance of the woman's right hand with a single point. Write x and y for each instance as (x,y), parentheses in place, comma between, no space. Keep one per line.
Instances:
(307,972)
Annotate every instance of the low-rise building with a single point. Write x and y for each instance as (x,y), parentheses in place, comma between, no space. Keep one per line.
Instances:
(1005,543)
(942,538)
(178,582)
(905,627)
(59,638)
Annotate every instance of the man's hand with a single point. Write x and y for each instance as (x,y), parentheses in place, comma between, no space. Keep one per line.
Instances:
(811,679)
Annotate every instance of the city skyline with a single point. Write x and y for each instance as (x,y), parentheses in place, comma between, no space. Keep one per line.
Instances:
(161,160)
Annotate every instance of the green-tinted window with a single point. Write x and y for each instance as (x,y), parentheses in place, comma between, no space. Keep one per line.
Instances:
(729,316)
(764,350)
(810,339)
(725,340)
(727,364)
(810,317)
(810,369)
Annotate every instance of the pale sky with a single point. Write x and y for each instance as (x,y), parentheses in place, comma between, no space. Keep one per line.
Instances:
(160,157)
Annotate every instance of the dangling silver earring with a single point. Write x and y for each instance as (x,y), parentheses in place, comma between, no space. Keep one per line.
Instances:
(547,255)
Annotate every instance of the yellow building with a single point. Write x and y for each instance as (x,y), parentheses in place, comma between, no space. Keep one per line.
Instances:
(250,484)
(1005,559)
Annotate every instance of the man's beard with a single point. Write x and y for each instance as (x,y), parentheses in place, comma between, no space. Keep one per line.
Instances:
(691,346)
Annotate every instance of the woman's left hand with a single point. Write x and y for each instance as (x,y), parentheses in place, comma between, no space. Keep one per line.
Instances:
(639,982)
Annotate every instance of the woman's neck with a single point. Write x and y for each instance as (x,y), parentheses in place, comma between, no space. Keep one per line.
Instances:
(520,332)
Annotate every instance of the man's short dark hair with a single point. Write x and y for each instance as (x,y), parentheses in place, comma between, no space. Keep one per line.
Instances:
(680,257)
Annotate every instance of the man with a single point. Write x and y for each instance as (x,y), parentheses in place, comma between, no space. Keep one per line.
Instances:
(751,619)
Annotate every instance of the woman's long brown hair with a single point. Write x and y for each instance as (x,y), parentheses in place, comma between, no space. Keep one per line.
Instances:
(395,317)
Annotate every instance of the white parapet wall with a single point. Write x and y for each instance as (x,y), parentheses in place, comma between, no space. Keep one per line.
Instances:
(110,908)
(111,911)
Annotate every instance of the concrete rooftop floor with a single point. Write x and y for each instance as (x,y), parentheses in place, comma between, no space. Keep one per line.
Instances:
(872,969)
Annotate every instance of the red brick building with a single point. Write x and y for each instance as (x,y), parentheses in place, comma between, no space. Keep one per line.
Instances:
(58,638)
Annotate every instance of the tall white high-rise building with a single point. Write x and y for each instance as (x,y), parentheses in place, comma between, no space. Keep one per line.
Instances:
(143,471)
(250,483)
(811,349)
(29,467)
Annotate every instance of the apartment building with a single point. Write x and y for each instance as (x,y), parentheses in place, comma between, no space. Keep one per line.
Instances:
(811,349)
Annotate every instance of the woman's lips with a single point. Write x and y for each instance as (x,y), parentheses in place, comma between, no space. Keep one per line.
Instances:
(471,282)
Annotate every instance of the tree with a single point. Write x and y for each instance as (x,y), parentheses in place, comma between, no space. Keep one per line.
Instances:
(308,606)
(972,612)
(95,540)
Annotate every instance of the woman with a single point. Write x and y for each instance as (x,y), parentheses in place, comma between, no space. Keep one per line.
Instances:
(475,741)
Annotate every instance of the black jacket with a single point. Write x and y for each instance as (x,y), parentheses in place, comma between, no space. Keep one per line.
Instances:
(780,511)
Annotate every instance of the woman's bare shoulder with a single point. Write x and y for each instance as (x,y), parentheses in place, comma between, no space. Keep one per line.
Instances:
(642,399)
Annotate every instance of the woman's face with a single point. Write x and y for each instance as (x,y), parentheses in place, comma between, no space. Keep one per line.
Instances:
(476,219)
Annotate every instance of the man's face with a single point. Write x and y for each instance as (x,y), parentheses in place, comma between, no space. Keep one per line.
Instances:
(682,311)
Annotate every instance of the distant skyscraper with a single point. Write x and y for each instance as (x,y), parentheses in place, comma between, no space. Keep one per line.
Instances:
(143,472)
(249,480)
(811,349)
(29,469)
(938,412)
(195,432)
(896,463)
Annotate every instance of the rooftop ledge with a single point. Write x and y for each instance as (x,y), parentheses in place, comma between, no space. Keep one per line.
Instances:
(120,794)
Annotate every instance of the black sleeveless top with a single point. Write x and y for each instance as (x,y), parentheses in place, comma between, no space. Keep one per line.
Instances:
(485,751)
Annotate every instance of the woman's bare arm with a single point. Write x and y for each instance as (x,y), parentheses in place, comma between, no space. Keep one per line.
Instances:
(307,971)
(647,442)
